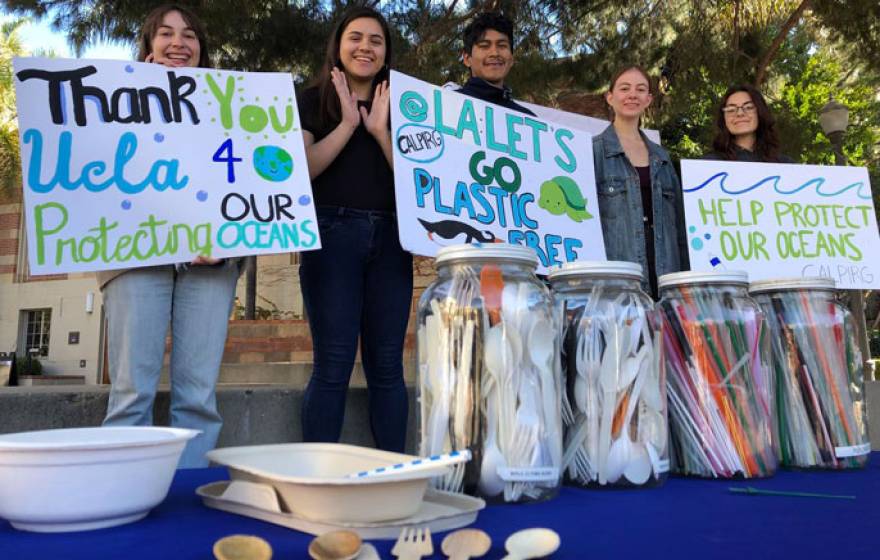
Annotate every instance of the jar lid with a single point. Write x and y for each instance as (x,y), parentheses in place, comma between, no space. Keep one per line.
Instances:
(702,277)
(618,269)
(806,283)
(473,251)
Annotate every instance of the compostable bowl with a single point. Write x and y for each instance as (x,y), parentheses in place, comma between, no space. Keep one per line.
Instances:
(79,479)
(310,479)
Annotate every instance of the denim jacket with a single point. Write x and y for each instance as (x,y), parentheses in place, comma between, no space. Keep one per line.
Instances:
(620,206)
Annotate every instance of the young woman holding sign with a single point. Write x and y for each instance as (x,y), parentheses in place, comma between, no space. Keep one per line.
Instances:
(196,299)
(745,128)
(640,199)
(358,287)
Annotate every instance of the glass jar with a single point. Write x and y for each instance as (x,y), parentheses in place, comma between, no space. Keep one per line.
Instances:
(820,399)
(614,405)
(489,379)
(718,382)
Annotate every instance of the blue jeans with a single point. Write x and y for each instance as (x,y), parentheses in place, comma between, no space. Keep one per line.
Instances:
(358,286)
(140,304)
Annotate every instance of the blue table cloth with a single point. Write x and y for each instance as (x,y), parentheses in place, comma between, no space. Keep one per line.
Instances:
(686,518)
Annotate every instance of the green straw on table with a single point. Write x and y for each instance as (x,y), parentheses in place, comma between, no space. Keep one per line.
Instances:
(757,492)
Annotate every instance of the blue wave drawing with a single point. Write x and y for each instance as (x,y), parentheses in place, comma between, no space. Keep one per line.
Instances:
(721,178)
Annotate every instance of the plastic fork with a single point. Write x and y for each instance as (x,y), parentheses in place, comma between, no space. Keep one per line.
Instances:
(413,543)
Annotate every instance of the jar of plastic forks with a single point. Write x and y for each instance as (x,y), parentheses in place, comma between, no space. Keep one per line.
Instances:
(489,378)
(614,405)
(820,398)
(718,382)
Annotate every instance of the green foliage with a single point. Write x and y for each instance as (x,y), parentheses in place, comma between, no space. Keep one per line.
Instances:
(10,164)
(698,48)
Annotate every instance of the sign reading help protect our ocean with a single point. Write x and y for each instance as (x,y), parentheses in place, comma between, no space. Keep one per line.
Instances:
(129,164)
(778,221)
(467,171)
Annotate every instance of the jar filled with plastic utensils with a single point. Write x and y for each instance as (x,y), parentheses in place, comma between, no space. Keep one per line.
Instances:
(718,382)
(489,377)
(820,391)
(614,403)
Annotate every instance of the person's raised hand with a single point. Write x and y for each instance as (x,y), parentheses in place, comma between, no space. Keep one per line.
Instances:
(376,121)
(347,100)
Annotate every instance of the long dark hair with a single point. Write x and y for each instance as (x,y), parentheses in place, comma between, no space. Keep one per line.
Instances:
(154,20)
(766,139)
(329,109)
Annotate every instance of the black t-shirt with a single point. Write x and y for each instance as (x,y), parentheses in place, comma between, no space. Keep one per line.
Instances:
(648,209)
(360,176)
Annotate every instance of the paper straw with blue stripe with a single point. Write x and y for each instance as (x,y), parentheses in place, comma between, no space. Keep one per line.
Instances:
(423,463)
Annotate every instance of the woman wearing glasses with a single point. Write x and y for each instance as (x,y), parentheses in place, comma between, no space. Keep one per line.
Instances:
(745,128)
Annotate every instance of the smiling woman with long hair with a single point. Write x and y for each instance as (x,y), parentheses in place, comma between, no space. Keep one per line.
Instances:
(358,286)
(745,129)
(639,192)
(195,298)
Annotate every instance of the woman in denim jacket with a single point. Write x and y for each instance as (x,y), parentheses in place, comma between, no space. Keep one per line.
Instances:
(639,192)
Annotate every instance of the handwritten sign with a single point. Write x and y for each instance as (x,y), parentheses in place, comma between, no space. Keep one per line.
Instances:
(588,124)
(128,164)
(778,221)
(467,171)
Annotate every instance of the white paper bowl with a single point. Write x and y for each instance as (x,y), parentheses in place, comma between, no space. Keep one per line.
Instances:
(86,478)
(310,480)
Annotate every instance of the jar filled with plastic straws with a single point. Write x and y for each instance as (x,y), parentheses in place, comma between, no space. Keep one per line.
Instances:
(820,393)
(614,405)
(489,374)
(718,382)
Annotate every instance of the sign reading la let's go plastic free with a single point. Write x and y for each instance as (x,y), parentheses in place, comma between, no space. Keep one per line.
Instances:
(782,221)
(467,171)
(128,164)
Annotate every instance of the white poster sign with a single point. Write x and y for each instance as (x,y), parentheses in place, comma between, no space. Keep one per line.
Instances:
(581,122)
(779,221)
(130,164)
(466,171)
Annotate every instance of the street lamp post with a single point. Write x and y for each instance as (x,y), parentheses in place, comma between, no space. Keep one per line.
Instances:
(834,120)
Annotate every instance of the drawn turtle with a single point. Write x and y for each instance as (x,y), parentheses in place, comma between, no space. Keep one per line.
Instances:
(561,195)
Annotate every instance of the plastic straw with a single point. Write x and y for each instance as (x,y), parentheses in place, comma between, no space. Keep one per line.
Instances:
(717,384)
(818,387)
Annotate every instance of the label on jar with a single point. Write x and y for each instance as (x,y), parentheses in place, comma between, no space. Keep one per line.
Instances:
(852,450)
(528,474)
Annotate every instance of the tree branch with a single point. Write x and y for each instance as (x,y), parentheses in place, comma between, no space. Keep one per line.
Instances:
(764,63)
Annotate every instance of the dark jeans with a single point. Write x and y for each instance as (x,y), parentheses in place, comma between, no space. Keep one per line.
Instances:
(357,286)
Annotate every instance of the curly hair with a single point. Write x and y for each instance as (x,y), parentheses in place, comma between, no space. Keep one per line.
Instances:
(766,139)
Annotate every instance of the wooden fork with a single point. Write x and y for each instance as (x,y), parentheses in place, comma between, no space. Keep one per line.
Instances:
(413,543)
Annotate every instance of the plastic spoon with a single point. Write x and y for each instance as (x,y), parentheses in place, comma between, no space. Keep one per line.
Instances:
(531,543)
(621,457)
(466,543)
(491,483)
(336,545)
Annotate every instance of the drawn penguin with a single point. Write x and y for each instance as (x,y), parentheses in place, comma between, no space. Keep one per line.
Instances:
(452,229)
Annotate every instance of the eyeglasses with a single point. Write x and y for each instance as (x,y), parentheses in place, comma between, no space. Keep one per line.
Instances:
(731,110)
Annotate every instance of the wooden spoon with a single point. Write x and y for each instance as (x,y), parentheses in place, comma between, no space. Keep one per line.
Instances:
(336,545)
(531,543)
(242,547)
(466,543)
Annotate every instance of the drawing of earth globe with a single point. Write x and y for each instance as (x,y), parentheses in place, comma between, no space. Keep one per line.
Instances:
(273,163)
